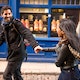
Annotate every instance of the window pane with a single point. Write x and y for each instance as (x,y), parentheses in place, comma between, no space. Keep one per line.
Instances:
(21,1)
(77,1)
(32,1)
(40,1)
(37,19)
(5,1)
(36,2)
(54,1)
(58,1)
(72,1)
(0,1)
(45,1)
(26,1)
(66,2)
(58,14)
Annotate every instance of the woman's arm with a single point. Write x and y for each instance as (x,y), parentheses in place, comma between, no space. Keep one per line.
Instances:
(62,55)
(49,49)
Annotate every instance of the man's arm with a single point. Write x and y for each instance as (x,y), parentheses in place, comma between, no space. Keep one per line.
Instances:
(1,38)
(26,34)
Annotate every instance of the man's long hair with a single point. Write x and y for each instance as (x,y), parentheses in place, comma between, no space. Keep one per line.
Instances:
(69,28)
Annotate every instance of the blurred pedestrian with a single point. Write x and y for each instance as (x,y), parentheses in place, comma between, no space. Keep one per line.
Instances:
(78,29)
(14,32)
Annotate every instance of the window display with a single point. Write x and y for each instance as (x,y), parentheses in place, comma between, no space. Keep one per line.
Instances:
(37,22)
(27,24)
(58,14)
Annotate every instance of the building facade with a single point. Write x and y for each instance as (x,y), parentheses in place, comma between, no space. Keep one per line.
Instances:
(42,17)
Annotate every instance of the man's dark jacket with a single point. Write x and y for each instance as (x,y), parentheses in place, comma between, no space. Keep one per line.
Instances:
(13,33)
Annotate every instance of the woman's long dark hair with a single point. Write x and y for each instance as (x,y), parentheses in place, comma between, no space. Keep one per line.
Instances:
(69,28)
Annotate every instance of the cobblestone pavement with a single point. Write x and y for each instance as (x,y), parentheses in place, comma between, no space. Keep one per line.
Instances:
(37,77)
(35,71)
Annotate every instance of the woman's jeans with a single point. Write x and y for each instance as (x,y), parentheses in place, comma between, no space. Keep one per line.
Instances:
(70,74)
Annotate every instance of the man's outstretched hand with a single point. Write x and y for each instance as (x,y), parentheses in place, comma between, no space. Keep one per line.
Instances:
(38,49)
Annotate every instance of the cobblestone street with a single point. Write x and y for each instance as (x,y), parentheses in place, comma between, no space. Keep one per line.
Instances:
(35,71)
(37,77)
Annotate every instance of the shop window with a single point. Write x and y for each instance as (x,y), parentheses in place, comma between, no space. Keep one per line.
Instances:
(34,2)
(21,1)
(66,2)
(45,1)
(78,2)
(36,20)
(40,1)
(58,14)
(3,1)
(25,2)
(0,1)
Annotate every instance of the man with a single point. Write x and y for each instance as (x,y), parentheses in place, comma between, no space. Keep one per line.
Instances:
(13,32)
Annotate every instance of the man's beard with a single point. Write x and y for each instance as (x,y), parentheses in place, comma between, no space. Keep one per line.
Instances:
(8,19)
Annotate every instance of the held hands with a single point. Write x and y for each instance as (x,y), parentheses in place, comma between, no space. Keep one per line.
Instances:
(38,49)
(46,49)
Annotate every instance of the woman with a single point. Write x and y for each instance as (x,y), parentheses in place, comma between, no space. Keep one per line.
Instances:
(66,60)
